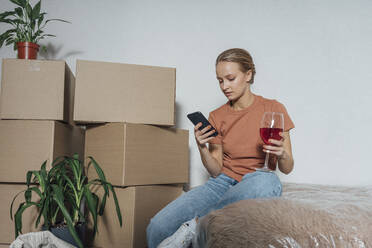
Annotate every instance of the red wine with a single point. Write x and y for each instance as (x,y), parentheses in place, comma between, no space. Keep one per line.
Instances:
(270,133)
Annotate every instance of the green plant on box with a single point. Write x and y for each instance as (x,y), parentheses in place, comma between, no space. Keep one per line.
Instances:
(27,23)
(61,192)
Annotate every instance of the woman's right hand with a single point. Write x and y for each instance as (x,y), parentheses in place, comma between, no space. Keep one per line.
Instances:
(201,136)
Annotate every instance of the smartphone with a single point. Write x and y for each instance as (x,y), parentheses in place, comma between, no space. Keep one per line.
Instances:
(197,117)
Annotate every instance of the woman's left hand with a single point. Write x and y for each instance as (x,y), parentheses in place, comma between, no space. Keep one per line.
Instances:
(276,147)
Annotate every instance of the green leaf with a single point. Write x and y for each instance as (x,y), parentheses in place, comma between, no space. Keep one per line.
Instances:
(8,32)
(28,195)
(96,199)
(103,204)
(50,35)
(43,171)
(54,215)
(59,20)
(83,181)
(72,187)
(36,190)
(117,207)
(33,25)
(9,41)
(74,167)
(41,212)
(6,14)
(18,215)
(19,22)
(28,177)
(57,164)
(21,3)
(58,160)
(18,221)
(75,156)
(11,205)
(19,12)
(29,11)
(36,10)
(41,19)
(44,211)
(92,207)
(15,230)
(58,197)
(40,180)
(6,35)
(7,21)
(100,173)
(78,164)
(71,200)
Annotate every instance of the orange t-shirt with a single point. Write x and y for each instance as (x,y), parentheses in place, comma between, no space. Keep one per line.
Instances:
(239,134)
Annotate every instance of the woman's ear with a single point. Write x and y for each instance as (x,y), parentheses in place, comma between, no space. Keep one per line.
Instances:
(248,76)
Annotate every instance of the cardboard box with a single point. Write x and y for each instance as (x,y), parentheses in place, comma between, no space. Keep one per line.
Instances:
(37,90)
(4,245)
(7,192)
(26,144)
(137,154)
(138,205)
(113,92)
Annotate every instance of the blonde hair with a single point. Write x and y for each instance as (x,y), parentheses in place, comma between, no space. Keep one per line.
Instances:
(240,56)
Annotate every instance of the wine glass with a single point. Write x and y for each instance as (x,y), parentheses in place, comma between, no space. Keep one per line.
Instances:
(272,124)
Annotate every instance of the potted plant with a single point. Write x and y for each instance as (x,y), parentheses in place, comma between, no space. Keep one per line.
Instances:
(62,192)
(27,28)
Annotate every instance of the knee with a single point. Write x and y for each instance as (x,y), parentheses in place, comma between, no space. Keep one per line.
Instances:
(262,185)
(269,187)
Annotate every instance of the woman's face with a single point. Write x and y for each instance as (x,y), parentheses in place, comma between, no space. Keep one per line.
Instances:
(233,82)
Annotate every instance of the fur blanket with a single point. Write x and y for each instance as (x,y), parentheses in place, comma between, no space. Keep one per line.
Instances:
(305,216)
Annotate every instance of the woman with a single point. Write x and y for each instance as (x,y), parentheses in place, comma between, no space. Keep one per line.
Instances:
(231,158)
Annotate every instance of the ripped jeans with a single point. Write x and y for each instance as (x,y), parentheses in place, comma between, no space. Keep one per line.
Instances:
(214,194)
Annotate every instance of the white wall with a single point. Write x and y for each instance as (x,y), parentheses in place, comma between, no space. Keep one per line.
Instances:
(314,56)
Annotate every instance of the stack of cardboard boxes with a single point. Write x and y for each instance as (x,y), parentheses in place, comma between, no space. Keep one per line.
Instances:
(36,125)
(138,159)
(127,111)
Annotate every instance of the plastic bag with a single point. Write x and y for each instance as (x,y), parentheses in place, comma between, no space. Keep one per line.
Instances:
(43,239)
(304,216)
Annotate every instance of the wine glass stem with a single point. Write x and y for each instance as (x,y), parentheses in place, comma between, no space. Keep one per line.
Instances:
(266,160)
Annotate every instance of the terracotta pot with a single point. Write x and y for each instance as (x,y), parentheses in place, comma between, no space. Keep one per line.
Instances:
(27,50)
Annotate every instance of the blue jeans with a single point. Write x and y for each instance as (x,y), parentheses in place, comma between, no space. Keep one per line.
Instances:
(214,194)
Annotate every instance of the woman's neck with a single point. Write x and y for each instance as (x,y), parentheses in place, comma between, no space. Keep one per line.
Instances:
(243,102)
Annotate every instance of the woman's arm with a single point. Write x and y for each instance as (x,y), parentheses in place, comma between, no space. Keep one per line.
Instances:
(211,156)
(283,151)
